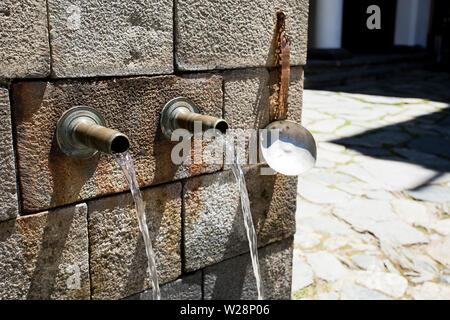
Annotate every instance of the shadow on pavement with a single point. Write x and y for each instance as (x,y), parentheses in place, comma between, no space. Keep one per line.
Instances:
(424,140)
(423,84)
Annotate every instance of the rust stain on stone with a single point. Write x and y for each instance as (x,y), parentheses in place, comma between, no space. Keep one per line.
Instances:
(196,168)
(279,78)
(30,229)
(192,203)
(27,98)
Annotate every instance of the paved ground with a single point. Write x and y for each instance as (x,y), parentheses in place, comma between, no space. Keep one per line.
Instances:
(373,217)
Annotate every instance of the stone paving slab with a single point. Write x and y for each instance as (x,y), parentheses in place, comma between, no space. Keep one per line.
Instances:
(377,217)
(431,193)
(368,262)
(382,175)
(430,291)
(389,283)
(326,266)
(304,275)
(439,250)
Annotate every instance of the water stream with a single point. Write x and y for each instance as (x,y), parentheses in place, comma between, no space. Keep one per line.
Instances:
(248,221)
(126,163)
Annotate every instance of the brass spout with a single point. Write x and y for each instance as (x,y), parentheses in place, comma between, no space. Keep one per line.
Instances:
(81,133)
(101,138)
(181,113)
(183,118)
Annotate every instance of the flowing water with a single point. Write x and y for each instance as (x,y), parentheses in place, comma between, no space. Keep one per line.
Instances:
(248,221)
(126,163)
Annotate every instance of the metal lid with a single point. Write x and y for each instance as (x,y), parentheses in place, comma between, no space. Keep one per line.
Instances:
(288,147)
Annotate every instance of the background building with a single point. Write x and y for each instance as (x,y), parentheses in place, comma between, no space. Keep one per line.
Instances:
(338,28)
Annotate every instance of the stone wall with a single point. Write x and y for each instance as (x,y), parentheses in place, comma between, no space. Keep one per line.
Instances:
(67,226)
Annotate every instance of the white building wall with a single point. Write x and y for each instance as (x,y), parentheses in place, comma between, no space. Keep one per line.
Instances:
(326,32)
(411,22)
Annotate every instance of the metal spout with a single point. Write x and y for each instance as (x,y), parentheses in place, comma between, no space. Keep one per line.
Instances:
(181,113)
(81,133)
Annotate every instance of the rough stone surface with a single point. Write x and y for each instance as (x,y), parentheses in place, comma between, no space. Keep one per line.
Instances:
(45,256)
(8,190)
(234,34)
(24,45)
(186,288)
(326,266)
(118,263)
(111,38)
(234,279)
(50,178)
(213,222)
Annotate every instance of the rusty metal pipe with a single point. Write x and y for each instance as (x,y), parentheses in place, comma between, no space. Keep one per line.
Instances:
(180,113)
(81,133)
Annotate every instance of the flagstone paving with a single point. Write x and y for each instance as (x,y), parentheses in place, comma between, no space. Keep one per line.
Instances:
(373,216)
